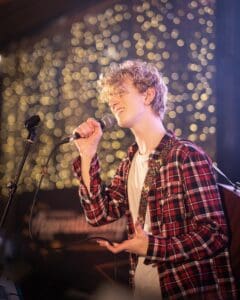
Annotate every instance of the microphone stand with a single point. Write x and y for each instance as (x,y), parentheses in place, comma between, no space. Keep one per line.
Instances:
(12,187)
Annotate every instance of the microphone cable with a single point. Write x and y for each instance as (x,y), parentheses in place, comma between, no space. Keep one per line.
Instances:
(45,172)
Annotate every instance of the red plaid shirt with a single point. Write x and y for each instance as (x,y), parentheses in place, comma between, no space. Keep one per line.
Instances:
(189,239)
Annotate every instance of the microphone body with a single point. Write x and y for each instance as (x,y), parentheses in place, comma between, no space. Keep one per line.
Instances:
(107,121)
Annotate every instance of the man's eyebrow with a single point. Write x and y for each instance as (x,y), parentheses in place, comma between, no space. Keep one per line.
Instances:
(118,90)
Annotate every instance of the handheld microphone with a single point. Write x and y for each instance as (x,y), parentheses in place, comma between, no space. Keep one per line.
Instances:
(107,121)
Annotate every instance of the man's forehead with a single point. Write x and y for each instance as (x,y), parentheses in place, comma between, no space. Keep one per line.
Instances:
(121,85)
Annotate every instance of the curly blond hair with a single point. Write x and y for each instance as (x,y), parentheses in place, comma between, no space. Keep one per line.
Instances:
(143,76)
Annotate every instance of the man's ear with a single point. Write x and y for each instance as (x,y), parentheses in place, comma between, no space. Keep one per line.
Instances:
(150,95)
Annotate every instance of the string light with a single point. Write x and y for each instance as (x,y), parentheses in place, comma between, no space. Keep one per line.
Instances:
(54,75)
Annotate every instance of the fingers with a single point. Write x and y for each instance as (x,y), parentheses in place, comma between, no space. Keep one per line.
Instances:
(93,122)
(137,245)
(115,248)
(86,129)
(90,134)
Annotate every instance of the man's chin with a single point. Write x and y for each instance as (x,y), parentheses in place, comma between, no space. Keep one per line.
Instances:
(122,123)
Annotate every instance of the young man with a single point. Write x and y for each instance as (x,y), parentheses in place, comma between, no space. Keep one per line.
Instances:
(177,234)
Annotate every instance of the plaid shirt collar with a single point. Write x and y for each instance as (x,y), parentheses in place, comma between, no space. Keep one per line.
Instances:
(167,138)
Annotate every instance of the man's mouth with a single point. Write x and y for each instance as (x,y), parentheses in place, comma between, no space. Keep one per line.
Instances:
(118,110)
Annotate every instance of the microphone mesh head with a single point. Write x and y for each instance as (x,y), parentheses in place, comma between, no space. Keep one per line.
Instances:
(108,121)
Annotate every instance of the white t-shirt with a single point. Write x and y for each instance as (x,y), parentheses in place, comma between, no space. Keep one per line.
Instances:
(146,276)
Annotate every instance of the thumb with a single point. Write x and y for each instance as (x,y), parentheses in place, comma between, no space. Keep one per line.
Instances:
(93,123)
(138,228)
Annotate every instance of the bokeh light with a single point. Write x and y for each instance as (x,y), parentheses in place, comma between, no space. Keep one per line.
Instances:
(54,74)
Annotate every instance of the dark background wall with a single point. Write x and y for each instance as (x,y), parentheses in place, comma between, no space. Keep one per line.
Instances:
(227,85)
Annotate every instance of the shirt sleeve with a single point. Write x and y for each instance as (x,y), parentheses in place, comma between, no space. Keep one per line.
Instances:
(104,204)
(208,234)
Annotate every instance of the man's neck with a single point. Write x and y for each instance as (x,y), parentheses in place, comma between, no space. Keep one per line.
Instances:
(148,134)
